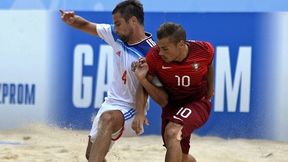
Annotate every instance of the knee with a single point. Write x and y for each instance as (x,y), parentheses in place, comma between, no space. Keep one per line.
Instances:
(106,119)
(188,158)
(172,133)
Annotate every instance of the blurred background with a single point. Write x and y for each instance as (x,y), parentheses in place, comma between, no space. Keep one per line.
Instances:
(41,80)
(152,6)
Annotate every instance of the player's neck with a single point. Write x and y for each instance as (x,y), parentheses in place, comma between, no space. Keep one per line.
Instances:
(138,36)
(183,53)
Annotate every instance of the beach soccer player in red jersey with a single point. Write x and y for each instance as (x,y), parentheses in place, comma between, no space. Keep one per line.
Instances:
(185,71)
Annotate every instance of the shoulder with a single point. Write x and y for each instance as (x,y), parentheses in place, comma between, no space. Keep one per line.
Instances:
(203,45)
(104,27)
(105,30)
(153,58)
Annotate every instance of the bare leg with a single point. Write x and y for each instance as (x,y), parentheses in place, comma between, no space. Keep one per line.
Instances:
(172,137)
(88,149)
(188,158)
(110,121)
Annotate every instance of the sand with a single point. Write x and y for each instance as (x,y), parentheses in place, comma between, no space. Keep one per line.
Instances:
(39,143)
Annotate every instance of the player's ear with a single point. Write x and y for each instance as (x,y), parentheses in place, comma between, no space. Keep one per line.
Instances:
(181,43)
(133,20)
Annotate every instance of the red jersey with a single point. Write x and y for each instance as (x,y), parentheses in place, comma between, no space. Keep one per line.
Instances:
(187,80)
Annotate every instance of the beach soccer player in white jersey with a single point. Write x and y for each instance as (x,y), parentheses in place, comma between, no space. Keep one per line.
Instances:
(129,42)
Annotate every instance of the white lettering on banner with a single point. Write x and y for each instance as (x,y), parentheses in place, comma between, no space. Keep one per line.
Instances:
(223,79)
(82,85)
(105,70)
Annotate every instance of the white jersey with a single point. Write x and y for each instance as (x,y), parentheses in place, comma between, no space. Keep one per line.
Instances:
(122,90)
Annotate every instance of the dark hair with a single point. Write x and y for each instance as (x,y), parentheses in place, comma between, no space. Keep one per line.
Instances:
(173,31)
(129,8)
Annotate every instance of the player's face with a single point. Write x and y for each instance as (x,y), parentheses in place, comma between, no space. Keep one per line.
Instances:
(169,51)
(122,28)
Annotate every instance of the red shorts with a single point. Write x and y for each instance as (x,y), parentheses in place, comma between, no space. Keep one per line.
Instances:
(192,115)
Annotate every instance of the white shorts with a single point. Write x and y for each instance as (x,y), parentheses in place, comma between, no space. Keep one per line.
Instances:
(126,131)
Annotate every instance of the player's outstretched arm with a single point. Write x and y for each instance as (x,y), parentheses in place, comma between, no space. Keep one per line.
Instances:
(70,18)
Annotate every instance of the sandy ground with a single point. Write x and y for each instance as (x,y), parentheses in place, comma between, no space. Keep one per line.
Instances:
(38,143)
